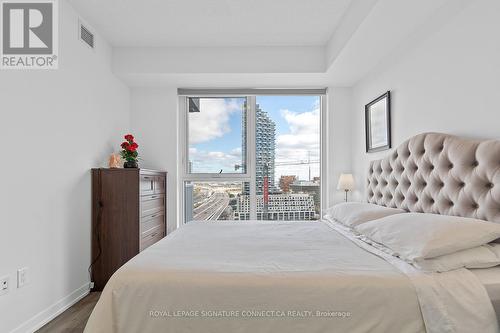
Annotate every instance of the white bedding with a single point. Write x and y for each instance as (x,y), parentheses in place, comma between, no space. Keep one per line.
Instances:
(451,301)
(275,277)
(490,278)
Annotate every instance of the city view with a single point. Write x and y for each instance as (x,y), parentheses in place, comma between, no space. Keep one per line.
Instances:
(287,152)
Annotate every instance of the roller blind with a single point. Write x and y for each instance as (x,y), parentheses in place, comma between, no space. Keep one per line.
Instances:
(249,92)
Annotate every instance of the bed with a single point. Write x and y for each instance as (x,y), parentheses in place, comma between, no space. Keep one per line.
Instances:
(490,279)
(257,276)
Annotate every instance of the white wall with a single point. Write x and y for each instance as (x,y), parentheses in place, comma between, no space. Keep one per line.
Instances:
(339,140)
(154,124)
(55,126)
(447,83)
(256,59)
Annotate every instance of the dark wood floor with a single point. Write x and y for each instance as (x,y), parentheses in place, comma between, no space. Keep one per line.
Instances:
(74,319)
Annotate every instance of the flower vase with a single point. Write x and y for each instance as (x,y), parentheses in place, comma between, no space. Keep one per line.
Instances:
(131,164)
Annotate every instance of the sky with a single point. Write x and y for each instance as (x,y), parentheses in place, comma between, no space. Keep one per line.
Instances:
(215,134)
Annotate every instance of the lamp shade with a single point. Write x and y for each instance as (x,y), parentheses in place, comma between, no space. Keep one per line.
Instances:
(346,182)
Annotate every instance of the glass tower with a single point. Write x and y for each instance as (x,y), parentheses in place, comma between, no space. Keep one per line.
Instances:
(265,146)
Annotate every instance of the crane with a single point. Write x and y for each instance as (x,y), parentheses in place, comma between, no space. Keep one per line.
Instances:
(301,162)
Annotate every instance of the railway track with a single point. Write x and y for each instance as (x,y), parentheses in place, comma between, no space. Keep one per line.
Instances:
(212,208)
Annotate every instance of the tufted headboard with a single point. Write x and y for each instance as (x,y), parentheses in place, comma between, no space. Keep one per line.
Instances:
(440,174)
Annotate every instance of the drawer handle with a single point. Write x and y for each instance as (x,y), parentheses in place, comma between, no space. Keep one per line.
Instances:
(154,196)
(154,234)
(146,177)
(153,216)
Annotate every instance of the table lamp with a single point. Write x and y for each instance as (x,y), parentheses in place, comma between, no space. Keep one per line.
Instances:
(346,183)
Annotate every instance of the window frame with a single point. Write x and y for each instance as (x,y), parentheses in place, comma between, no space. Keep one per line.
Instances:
(250,175)
(185,147)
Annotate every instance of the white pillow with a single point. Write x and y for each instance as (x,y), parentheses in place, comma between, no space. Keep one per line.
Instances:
(352,214)
(483,256)
(415,236)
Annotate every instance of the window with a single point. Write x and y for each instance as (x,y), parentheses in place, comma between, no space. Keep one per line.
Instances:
(251,157)
(287,141)
(213,201)
(216,135)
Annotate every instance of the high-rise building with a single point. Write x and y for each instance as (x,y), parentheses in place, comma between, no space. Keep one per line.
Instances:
(285,182)
(265,146)
(308,187)
(281,207)
(276,205)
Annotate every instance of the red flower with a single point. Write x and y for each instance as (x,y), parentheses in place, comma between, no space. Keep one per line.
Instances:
(129,147)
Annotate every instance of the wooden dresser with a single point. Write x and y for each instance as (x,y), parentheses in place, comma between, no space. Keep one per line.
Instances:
(128,215)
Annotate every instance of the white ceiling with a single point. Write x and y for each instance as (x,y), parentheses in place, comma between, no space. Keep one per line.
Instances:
(139,23)
(261,43)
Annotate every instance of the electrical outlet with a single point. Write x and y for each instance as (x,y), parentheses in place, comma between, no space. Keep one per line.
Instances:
(4,285)
(22,277)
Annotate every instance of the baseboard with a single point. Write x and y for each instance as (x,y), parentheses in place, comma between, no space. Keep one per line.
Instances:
(43,317)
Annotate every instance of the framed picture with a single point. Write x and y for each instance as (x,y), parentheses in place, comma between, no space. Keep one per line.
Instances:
(378,123)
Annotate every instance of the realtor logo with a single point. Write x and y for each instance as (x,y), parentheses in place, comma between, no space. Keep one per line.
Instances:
(29,37)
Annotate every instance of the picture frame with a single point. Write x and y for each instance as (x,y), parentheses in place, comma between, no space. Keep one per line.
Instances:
(378,123)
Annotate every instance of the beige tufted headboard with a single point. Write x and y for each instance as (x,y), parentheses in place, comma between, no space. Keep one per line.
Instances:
(441,174)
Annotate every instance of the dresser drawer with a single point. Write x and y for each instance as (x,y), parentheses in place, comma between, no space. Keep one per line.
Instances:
(151,222)
(152,204)
(159,184)
(151,236)
(147,184)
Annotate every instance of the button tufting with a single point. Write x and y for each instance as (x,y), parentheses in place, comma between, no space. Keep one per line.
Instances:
(423,177)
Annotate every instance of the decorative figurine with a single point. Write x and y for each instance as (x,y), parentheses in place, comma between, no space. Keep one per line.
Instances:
(115,161)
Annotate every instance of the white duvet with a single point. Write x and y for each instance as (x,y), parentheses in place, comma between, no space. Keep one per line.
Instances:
(283,277)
